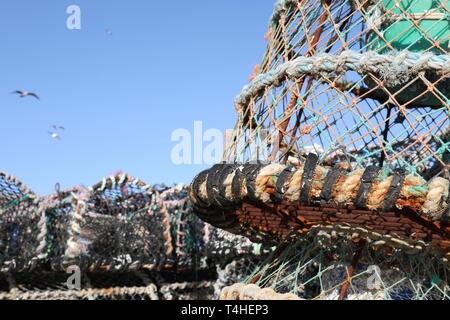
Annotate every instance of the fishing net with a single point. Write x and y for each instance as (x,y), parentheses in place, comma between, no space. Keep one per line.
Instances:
(127,239)
(343,129)
(18,224)
(357,81)
(118,225)
(320,265)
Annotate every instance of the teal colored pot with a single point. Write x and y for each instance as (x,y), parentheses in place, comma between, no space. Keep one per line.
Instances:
(433,23)
(400,32)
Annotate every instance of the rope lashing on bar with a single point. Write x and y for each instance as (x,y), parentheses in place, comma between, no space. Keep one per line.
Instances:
(332,177)
(374,188)
(386,208)
(395,68)
(308,176)
(367,180)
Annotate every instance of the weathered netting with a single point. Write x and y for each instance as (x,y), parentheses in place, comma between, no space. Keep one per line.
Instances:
(320,264)
(130,240)
(343,130)
(137,285)
(337,81)
(18,208)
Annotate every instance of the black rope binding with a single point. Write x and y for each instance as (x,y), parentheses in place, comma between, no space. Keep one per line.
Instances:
(307,178)
(332,177)
(212,183)
(369,176)
(223,174)
(250,173)
(201,177)
(284,177)
(236,185)
(207,210)
(398,179)
(215,185)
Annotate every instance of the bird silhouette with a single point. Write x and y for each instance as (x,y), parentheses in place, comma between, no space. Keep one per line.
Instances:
(54,135)
(58,127)
(24,94)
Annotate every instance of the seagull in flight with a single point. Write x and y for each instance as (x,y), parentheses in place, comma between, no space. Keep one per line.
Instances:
(55,127)
(54,135)
(109,32)
(24,94)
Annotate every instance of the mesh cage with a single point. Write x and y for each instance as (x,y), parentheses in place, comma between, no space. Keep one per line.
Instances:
(363,82)
(19,225)
(343,131)
(129,240)
(322,266)
(118,225)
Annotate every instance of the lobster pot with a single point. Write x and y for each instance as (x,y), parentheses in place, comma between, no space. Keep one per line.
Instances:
(342,121)
(121,224)
(117,225)
(308,28)
(342,130)
(339,79)
(19,226)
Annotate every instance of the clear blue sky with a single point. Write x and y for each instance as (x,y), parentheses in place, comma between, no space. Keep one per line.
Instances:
(120,96)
